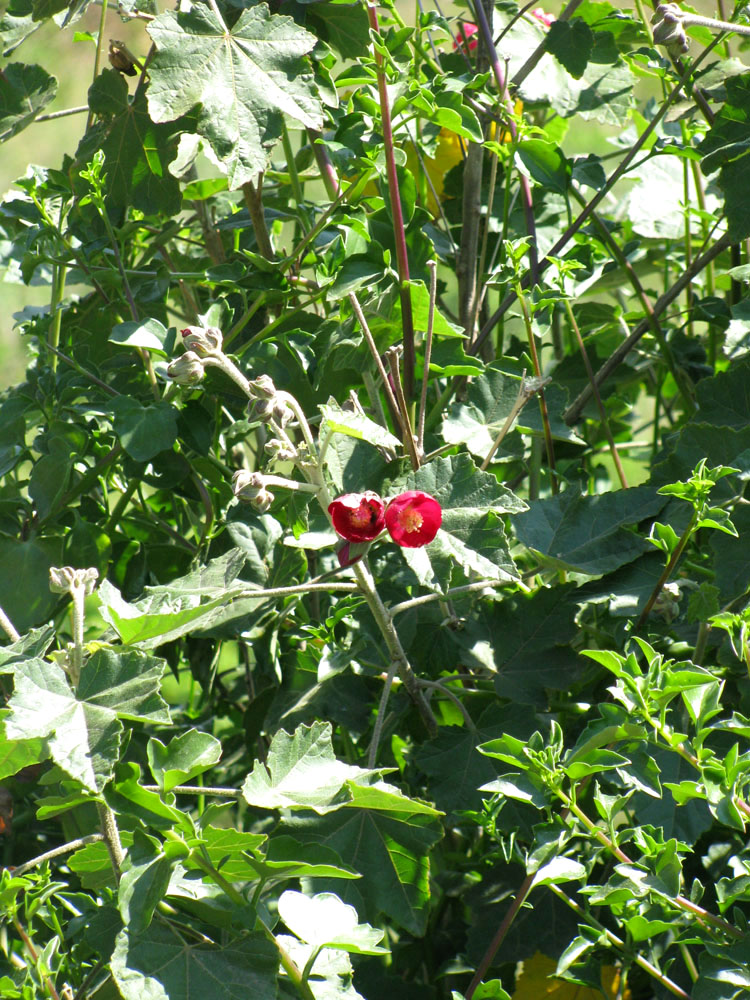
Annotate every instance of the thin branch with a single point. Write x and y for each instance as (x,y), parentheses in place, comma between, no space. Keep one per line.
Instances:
(56,852)
(432,265)
(572,414)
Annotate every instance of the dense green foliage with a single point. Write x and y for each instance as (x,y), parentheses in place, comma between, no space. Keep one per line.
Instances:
(309,250)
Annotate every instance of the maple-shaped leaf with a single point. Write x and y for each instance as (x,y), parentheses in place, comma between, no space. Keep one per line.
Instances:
(24,91)
(241,80)
(136,151)
(82,728)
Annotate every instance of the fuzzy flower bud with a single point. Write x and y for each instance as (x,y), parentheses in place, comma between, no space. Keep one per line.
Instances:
(280,450)
(283,414)
(260,409)
(669,30)
(247,485)
(202,340)
(187,369)
(263,501)
(262,387)
(413,519)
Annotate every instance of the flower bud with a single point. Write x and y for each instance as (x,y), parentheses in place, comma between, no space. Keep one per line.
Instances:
(260,409)
(202,340)
(669,30)
(263,501)
(247,485)
(280,450)
(283,414)
(187,369)
(262,387)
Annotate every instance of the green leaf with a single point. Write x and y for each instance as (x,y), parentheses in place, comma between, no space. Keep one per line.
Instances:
(726,148)
(588,534)
(301,772)
(159,964)
(144,431)
(559,870)
(241,81)
(286,857)
(594,761)
(24,580)
(17,754)
(546,163)
(357,425)
(25,90)
(478,421)
(324,921)
(571,43)
(158,618)
(149,334)
(386,838)
(534,654)
(230,851)
(522,787)
(143,885)
(187,755)
(137,151)
(82,729)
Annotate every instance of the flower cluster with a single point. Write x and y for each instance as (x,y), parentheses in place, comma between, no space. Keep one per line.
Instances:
(412,518)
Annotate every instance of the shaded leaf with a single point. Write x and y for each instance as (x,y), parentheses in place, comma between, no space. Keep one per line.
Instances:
(137,151)
(144,431)
(160,965)
(387,839)
(25,89)
(588,533)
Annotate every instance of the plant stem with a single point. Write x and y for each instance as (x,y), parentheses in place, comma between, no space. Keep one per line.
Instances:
(668,569)
(524,395)
(399,232)
(398,657)
(254,203)
(618,943)
(7,626)
(500,934)
(573,412)
(56,852)
(409,441)
(111,836)
(595,390)
(573,228)
(97,55)
(466,588)
(370,341)
(432,265)
(542,401)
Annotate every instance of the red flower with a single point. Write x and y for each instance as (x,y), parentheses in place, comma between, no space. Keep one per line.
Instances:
(413,519)
(541,15)
(463,37)
(358,517)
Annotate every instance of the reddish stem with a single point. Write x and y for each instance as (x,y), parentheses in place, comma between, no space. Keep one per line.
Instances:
(402,259)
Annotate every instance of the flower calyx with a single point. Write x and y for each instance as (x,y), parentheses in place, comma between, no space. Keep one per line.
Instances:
(66,579)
